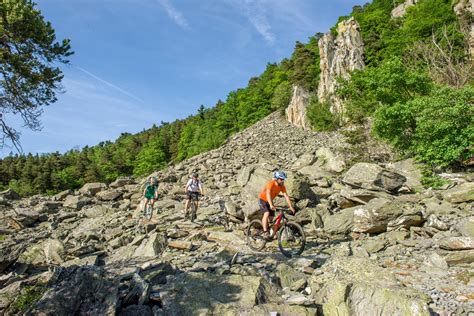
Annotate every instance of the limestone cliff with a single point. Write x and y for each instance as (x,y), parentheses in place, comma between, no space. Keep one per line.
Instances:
(340,55)
(465,10)
(401,9)
(296,111)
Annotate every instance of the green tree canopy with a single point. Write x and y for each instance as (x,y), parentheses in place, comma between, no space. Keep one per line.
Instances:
(29,77)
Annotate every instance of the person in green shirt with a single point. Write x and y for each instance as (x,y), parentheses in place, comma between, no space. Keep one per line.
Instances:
(151,191)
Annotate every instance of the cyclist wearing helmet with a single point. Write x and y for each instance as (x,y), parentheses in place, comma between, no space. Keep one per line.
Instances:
(268,194)
(192,189)
(151,191)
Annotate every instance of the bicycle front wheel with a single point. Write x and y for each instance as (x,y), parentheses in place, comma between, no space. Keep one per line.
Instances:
(291,239)
(255,238)
(149,212)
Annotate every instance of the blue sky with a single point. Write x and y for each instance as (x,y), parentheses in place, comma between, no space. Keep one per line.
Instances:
(140,62)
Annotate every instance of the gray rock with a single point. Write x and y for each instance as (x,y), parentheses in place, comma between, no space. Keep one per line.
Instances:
(339,223)
(244,176)
(460,194)
(9,194)
(79,291)
(92,189)
(62,195)
(26,216)
(290,277)
(76,202)
(120,182)
(153,246)
(456,243)
(460,257)
(108,195)
(330,161)
(411,171)
(466,227)
(373,177)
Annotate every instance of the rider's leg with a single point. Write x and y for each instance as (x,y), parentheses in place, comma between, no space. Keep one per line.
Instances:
(265,221)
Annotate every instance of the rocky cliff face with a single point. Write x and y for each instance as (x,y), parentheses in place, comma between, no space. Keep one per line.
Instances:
(465,10)
(401,9)
(296,110)
(340,56)
(378,243)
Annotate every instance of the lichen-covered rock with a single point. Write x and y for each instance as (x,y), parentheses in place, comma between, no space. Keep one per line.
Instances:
(373,177)
(92,189)
(460,193)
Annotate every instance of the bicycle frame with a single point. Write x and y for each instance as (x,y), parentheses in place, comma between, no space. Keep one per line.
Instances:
(276,222)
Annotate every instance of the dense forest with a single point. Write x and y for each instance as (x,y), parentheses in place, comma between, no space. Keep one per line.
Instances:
(416,85)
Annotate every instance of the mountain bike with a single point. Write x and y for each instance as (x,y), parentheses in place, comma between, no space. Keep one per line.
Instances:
(291,237)
(193,205)
(148,211)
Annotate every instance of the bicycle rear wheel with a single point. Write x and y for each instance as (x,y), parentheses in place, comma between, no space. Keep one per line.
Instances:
(291,239)
(193,210)
(255,238)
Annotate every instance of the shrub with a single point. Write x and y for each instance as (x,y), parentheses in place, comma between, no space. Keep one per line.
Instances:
(438,129)
(320,117)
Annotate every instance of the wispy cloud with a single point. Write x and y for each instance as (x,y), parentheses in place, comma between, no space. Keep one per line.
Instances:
(109,84)
(174,14)
(255,12)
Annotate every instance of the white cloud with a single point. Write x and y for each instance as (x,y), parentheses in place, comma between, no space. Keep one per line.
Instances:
(110,84)
(174,14)
(255,12)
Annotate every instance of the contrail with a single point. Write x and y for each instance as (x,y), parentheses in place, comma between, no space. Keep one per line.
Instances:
(110,84)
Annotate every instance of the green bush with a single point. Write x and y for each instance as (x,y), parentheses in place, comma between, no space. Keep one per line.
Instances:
(375,87)
(438,129)
(320,117)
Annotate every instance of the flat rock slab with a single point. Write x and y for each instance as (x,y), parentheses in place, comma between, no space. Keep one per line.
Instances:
(456,243)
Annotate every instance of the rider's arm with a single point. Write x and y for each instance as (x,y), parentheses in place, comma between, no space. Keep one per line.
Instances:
(288,201)
(200,188)
(186,187)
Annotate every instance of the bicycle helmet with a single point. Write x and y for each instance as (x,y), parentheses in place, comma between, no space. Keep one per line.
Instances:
(195,174)
(279,175)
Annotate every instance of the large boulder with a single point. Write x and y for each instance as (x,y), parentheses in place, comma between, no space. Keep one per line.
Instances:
(26,216)
(331,162)
(361,287)
(211,294)
(76,201)
(92,189)
(338,223)
(460,194)
(297,187)
(153,246)
(9,194)
(79,291)
(380,215)
(251,190)
(120,182)
(373,177)
(411,171)
(109,195)
(370,218)
(466,227)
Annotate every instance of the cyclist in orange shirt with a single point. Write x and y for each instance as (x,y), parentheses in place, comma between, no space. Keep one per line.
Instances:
(271,190)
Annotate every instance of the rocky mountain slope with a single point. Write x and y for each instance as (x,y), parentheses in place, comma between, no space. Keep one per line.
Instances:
(378,243)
